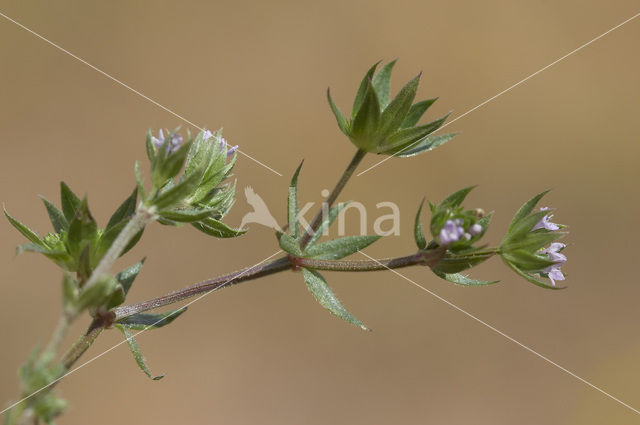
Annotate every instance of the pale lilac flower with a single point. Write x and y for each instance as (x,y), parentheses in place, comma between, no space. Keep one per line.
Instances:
(230,150)
(553,271)
(206,134)
(476,229)
(172,146)
(452,231)
(545,223)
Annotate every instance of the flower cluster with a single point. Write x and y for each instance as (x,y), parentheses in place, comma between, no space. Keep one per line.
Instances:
(530,246)
(453,231)
(222,144)
(172,142)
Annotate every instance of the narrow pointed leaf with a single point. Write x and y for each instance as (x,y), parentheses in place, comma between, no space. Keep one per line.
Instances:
(460,279)
(26,232)
(527,261)
(424,145)
(292,204)
(418,235)
(454,264)
(363,89)
(382,83)
(327,222)
(396,112)
(416,111)
(58,220)
(69,201)
(139,182)
(410,136)
(57,256)
(175,161)
(178,192)
(217,229)
(342,121)
(325,296)
(187,215)
(144,321)
(83,229)
(366,123)
(137,355)
(128,275)
(125,210)
(526,209)
(290,245)
(530,278)
(456,198)
(151,149)
(339,248)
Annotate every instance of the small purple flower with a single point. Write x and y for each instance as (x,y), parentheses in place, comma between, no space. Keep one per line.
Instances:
(452,231)
(545,223)
(230,150)
(172,146)
(553,271)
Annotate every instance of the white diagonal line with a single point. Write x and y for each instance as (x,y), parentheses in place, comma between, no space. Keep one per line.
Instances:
(135,335)
(531,350)
(509,88)
(114,79)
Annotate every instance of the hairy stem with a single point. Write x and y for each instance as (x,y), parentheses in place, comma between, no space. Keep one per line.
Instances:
(139,220)
(346,175)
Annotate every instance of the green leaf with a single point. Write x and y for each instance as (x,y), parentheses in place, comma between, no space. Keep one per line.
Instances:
(529,277)
(128,275)
(416,111)
(342,121)
(522,228)
(527,261)
(407,136)
(417,229)
(175,161)
(26,232)
(460,279)
(187,215)
(59,257)
(292,204)
(454,264)
(217,229)
(382,83)
(526,209)
(137,355)
(151,149)
(109,236)
(83,230)
(366,122)
(290,245)
(125,210)
(325,296)
(533,241)
(456,198)
(58,220)
(339,248)
(327,222)
(395,113)
(139,182)
(143,321)
(69,201)
(424,145)
(357,102)
(178,192)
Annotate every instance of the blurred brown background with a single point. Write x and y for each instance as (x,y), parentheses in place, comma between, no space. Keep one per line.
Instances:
(265,352)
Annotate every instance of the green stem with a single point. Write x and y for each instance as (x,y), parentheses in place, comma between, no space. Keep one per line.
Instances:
(58,335)
(346,175)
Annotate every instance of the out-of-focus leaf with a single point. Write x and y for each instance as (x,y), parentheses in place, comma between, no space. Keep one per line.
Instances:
(125,210)
(421,242)
(342,121)
(526,209)
(69,201)
(137,355)
(143,321)
(128,275)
